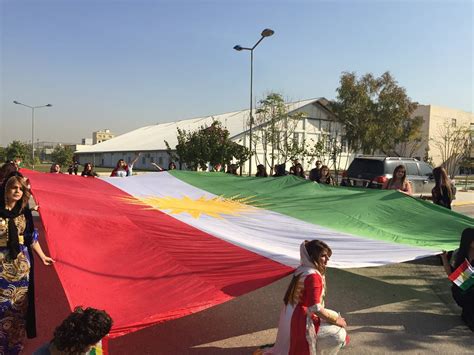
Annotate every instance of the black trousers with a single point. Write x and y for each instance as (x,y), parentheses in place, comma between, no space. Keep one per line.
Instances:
(465,300)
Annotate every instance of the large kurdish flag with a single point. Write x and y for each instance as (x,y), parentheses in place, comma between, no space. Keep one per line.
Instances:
(158,246)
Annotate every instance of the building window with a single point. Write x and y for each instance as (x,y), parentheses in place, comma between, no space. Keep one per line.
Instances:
(143,160)
(453,122)
(160,161)
(296,138)
(343,144)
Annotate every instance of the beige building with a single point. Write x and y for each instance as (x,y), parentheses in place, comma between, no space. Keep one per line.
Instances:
(102,136)
(439,123)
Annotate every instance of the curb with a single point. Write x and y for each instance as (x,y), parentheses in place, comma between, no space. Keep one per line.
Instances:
(462,203)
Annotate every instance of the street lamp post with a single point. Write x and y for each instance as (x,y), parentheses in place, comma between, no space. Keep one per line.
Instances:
(32,128)
(265,33)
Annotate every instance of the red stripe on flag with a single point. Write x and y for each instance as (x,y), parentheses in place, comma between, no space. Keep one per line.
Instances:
(105,345)
(459,270)
(140,265)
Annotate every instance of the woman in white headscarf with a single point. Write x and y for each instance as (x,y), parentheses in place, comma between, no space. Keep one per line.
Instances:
(306,326)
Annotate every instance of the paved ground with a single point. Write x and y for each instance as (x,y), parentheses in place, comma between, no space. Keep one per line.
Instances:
(464,198)
(403,308)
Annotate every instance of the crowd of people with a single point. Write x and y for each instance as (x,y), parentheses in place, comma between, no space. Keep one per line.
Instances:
(319,174)
(88,170)
(122,168)
(306,325)
(443,193)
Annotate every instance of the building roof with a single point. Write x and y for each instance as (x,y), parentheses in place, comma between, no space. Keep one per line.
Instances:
(151,138)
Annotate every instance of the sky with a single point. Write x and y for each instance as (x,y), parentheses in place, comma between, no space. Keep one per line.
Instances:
(121,65)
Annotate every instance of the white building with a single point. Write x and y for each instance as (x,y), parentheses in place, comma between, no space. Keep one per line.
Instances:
(150,140)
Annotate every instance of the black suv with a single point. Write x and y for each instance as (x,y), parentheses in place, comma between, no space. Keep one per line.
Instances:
(373,171)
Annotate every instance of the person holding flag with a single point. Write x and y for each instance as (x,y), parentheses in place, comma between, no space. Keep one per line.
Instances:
(306,326)
(461,273)
(18,239)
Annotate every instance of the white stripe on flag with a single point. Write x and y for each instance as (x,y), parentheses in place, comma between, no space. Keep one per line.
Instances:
(269,233)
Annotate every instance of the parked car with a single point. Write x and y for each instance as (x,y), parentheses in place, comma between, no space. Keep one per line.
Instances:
(374,171)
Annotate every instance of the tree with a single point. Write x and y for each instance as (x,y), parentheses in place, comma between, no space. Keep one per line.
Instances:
(327,147)
(17,149)
(275,131)
(467,162)
(207,145)
(408,149)
(376,113)
(320,149)
(62,155)
(3,154)
(454,146)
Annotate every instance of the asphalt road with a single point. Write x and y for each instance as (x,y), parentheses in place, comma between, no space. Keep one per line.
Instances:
(468,210)
(401,308)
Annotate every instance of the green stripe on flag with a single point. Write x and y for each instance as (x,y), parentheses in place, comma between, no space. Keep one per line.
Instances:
(383,215)
(467,284)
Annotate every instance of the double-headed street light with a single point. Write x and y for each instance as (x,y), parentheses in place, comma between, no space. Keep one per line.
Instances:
(32,127)
(265,33)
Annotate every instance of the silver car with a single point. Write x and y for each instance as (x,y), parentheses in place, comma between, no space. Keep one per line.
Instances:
(374,171)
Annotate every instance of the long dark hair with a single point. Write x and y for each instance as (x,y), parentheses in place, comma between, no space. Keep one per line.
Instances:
(295,172)
(314,248)
(441,179)
(394,176)
(9,181)
(261,172)
(280,170)
(6,169)
(467,237)
(119,166)
(13,243)
(52,169)
(81,329)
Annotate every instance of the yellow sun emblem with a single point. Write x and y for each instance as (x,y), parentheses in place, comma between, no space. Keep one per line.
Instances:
(213,206)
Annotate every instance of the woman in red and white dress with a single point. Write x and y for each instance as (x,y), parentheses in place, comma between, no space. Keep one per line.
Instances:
(306,326)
